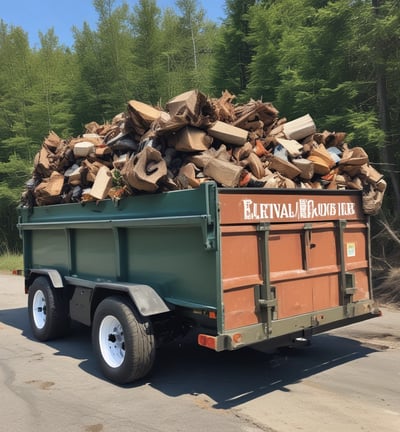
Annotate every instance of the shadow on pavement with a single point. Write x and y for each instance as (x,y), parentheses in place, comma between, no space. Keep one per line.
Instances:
(77,344)
(228,378)
(233,378)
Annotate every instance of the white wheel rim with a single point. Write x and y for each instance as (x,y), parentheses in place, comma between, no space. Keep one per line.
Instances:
(39,309)
(112,341)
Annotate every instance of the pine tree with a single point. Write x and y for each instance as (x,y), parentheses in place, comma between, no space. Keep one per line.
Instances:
(232,49)
(106,65)
(15,91)
(54,75)
(147,49)
(15,141)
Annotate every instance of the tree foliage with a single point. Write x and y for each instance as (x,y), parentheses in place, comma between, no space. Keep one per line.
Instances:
(233,52)
(105,66)
(147,47)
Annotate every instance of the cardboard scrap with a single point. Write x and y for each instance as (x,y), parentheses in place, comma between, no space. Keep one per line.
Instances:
(190,139)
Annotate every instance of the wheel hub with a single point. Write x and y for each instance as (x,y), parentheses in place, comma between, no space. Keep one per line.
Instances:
(112,341)
(39,309)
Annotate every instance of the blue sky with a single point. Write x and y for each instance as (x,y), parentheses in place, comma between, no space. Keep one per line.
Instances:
(40,15)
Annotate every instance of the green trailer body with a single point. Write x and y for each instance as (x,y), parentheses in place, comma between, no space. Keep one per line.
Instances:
(241,266)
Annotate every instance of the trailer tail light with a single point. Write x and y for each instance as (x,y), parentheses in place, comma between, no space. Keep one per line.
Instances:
(218,343)
(207,341)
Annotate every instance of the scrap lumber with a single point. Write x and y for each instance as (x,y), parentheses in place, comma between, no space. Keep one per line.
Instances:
(148,149)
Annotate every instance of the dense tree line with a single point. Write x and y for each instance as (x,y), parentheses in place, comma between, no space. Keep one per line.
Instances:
(336,60)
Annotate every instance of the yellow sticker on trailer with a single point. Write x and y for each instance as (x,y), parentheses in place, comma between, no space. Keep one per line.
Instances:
(351,249)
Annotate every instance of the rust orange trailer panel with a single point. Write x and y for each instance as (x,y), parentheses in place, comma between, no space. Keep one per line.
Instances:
(309,251)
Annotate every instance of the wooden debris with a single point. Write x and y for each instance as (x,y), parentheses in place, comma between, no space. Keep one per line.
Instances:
(228,134)
(102,184)
(299,128)
(195,139)
(224,108)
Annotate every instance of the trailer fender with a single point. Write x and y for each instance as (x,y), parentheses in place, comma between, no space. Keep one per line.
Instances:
(53,275)
(146,299)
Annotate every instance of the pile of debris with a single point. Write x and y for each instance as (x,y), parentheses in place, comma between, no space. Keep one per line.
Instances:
(196,139)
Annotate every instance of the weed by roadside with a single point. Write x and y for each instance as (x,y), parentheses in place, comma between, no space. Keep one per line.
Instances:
(10,262)
(387,287)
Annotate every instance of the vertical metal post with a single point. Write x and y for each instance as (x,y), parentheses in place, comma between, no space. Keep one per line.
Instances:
(306,241)
(369,254)
(342,278)
(267,300)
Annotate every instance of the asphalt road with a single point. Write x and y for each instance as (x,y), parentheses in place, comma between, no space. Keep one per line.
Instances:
(347,380)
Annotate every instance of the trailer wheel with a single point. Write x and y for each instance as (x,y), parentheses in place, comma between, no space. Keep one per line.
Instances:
(47,310)
(123,341)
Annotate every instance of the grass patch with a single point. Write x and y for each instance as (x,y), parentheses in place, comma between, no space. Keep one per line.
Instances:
(10,262)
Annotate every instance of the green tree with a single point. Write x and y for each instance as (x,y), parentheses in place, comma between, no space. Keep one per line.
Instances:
(198,34)
(304,59)
(190,21)
(232,51)
(187,40)
(171,55)
(16,151)
(15,90)
(146,21)
(54,76)
(106,65)
(385,49)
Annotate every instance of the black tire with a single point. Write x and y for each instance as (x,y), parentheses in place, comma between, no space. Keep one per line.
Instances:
(123,341)
(47,310)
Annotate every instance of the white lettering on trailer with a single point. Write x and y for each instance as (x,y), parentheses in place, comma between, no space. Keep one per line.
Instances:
(346,209)
(259,211)
(300,210)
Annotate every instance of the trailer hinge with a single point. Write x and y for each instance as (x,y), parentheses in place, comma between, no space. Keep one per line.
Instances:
(263,226)
(267,303)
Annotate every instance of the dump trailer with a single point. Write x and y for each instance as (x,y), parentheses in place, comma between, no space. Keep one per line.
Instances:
(238,267)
